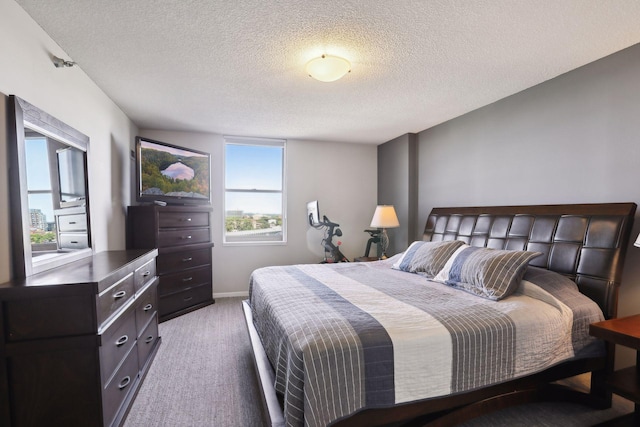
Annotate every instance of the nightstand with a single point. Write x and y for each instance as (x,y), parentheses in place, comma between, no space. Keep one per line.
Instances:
(624,382)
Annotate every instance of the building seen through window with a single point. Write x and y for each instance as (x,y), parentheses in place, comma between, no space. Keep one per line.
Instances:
(40,195)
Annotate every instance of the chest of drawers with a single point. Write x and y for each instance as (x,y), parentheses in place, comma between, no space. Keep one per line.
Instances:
(182,236)
(76,341)
(72,226)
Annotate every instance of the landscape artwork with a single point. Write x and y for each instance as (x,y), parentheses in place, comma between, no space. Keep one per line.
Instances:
(168,171)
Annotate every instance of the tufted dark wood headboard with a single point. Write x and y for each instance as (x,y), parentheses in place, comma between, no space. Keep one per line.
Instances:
(585,242)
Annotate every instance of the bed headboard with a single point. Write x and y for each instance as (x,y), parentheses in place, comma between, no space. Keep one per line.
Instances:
(585,242)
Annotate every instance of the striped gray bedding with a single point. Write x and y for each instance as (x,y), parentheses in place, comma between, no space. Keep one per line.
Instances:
(345,337)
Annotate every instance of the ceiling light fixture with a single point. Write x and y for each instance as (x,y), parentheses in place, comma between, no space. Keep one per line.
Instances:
(328,68)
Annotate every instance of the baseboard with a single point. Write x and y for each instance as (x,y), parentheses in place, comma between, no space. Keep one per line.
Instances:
(230,294)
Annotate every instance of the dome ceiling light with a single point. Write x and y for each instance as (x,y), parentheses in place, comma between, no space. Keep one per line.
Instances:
(328,68)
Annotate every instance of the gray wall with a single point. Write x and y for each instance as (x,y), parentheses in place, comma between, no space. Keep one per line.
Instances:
(397,186)
(572,139)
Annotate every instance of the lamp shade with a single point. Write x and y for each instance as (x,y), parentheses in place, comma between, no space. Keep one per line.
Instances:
(385,217)
(328,68)
(637,243)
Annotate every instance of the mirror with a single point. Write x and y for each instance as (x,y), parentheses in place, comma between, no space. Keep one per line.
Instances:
(48,190)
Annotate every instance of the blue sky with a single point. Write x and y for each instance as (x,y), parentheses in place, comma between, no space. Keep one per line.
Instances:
(246,167)
(253,167)
(38,177)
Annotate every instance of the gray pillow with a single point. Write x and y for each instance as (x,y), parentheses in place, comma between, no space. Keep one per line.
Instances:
(427,258)
(489,273)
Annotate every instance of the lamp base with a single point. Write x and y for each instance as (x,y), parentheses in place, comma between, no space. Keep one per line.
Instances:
(383,244)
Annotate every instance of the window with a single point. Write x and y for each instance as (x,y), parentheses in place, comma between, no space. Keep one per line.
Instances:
(40,194)
(254,199)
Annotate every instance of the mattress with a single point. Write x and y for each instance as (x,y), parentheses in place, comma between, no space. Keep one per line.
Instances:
(345,337)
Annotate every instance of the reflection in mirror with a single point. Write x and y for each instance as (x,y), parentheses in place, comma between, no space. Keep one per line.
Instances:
(48,190)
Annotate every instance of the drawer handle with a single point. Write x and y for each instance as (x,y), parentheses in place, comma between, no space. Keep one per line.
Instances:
(119,294)
(187,259)
(72,222)
(125,382)
(187,279)
(74,241)
(146,273)
(187,298)
(149,339)
(186,237)
(187,219)
(123,339)
(147,307)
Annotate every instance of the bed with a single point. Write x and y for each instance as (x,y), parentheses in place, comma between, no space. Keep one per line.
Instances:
(486,311)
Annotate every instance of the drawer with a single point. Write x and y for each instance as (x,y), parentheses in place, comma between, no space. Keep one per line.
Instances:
(143,274)
(111,299)
(146,307)
(183,259)
(35,318)
(176,282)
(185,236)
(183,219)
(73,240)
(147,341)
(77,222)
(180,300)
(116,343)
(122,383)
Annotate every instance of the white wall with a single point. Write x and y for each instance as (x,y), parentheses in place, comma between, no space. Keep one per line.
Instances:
(573,139)
(69,95)
(342,177)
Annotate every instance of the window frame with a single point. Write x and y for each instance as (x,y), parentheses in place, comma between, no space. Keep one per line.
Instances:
(237,140)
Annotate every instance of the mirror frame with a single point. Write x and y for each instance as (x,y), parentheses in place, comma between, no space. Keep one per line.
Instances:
(21,115)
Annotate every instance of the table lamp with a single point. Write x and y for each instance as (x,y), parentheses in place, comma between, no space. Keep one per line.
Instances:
(384,217)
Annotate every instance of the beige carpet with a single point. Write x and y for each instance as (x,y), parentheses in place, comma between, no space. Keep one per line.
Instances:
(203,375)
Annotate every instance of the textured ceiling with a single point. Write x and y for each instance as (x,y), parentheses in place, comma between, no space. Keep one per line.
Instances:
(237,67)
